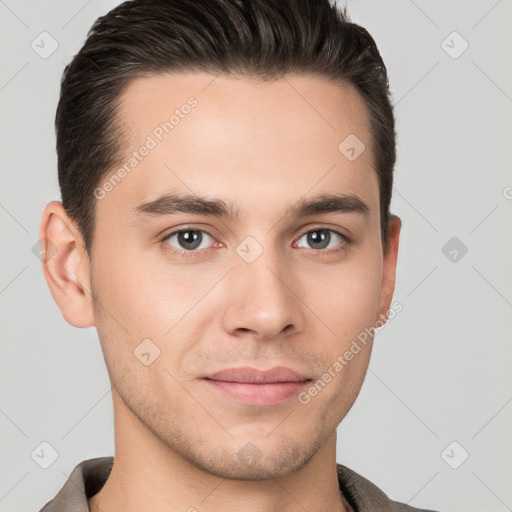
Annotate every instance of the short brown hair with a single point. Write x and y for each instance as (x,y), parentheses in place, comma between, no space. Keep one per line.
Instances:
(262,39)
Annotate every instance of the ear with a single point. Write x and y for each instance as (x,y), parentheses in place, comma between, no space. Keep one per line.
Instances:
(389,267)
(66,265)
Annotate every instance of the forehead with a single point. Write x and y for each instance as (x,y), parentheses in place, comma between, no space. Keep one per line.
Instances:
(308,106)
(243,138)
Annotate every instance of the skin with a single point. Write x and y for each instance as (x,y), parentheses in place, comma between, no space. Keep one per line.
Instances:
(262,146)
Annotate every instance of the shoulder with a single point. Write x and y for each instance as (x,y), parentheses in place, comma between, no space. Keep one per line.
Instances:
(85,480)
(364,496)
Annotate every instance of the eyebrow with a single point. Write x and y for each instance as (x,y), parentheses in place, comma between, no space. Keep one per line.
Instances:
(171,204)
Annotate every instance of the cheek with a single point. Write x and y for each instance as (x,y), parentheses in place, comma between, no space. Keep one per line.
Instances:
(347,297)
(148,301)
(133,288)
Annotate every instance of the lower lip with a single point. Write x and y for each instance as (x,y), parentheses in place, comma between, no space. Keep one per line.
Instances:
(258,394)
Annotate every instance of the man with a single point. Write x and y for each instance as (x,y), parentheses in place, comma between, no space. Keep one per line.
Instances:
(226,171)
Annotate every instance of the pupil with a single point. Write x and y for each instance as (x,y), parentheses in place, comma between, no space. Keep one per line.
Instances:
(187,238)
(319,237)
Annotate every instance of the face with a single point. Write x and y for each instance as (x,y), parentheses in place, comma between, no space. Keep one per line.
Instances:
(249,279)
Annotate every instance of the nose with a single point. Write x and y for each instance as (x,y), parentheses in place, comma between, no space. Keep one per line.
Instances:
(263,299)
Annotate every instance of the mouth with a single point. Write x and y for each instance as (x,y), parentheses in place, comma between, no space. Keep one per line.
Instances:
(258,387)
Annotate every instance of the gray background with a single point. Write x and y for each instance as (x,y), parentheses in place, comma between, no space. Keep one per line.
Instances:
(440,371)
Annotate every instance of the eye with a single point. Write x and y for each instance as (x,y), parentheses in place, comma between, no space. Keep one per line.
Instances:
(321,239)
(187,240)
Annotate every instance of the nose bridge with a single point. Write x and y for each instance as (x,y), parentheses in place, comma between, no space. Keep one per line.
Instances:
(263,302)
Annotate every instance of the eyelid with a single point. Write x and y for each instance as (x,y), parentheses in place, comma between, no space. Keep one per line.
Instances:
(338,230)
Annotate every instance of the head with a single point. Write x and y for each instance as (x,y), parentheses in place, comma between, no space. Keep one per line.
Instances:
(226,169)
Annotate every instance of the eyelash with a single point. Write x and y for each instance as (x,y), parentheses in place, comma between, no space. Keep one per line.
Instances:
(195,253)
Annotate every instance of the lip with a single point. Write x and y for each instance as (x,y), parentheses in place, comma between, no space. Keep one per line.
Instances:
(254,376)
(258,387)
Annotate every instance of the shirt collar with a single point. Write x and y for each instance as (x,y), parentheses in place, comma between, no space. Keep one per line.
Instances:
(90,475)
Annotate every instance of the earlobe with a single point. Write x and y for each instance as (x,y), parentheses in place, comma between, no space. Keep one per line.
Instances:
(66,265)
(389,267)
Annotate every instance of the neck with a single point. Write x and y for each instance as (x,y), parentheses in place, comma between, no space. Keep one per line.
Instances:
(148,475)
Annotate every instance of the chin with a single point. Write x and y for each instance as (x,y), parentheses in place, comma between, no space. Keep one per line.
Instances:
(251,463)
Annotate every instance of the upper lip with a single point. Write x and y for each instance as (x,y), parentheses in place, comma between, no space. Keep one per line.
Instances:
(253,375)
